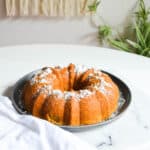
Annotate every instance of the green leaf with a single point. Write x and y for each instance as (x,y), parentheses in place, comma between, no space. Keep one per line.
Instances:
(148,55)
(104,31)
(145,52)
(142,5)
(148,42)
(139,32)
(134,44)
(140,37)
(120,45)
(94,6)
(147,33)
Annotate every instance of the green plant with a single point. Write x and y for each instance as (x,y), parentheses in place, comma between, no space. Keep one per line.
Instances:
(140,44)
(93,7)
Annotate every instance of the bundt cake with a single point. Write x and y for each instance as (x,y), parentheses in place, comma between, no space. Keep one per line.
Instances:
(72,95)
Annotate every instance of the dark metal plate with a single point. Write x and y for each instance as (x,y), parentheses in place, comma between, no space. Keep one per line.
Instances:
(124,101)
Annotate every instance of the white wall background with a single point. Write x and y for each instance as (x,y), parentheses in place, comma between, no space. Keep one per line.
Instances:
(60,30)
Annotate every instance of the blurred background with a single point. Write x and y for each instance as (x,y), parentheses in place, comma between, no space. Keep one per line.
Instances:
(75,30)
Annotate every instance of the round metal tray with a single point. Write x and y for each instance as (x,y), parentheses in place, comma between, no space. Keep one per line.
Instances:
(124,101)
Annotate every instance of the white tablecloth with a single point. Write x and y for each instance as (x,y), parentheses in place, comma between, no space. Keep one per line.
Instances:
(24,132)
(132,130)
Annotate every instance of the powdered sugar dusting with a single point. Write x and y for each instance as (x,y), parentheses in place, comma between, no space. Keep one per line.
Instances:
(77,95)
(96,81)
(84,93)
(97,72)
(43,81)
(40,76)
(57,93)
(80,68)
(68,95)
(101,85)
(46,89)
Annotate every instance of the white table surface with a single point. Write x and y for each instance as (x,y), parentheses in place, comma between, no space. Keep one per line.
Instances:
(132,130)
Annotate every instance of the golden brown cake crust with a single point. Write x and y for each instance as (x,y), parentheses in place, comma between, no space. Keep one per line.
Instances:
(72,95)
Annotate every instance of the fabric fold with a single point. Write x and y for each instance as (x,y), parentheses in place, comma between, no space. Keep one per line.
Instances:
(27,132)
